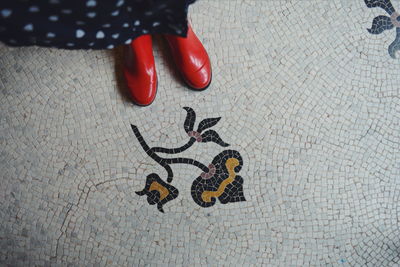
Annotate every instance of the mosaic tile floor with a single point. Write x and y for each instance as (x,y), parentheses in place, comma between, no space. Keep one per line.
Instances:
(290,158)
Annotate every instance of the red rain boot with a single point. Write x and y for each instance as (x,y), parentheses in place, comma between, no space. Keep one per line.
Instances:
(140,71)
(192,60)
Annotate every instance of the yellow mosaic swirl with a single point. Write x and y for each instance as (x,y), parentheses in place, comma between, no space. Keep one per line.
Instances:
(230,164)
(161,189)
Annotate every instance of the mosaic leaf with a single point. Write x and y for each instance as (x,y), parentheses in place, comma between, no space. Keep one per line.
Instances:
(384,4)
(379,24)
(213,136)
(395,46)
(207,123)
(190,119)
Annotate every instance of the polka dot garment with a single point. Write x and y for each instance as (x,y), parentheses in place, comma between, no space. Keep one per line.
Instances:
(89,24)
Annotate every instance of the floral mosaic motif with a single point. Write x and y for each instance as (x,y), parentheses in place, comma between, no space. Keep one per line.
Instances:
(223,184)
(158,192)
(382,23)
(218,180)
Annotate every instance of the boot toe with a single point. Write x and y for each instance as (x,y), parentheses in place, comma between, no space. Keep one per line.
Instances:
(200,79)
(142,89)
(143,99)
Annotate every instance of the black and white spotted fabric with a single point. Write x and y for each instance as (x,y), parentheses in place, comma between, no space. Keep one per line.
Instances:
(88,24)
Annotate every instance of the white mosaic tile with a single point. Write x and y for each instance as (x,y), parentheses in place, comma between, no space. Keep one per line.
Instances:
(306,95)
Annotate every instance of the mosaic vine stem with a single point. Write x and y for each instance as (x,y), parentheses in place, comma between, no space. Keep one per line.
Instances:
(188,161)
(175,150)
(165,162)
(151,153)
